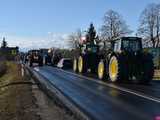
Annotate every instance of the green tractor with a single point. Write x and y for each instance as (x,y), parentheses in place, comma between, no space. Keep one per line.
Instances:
(86,57)
(35,57)
(126,61)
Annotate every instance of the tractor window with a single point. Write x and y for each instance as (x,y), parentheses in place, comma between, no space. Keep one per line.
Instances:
(101,45)
(131,45)
(92,48)
(83,48)
(117,45)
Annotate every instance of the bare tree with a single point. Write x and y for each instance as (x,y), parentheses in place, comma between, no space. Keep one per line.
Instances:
(4,43)
(74,38)
(149,27)
(113,26)
(157,25)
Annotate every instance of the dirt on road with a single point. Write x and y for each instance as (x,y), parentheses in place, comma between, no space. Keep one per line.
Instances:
(21,99)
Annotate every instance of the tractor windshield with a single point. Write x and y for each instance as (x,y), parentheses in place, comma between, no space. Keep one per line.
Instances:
(92,48)
(131,44)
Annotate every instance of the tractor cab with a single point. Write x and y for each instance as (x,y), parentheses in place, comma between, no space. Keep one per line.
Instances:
(127,44)
(132,44)
(89,48)
(128,61)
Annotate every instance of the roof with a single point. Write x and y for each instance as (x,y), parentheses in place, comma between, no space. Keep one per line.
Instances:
(131,38)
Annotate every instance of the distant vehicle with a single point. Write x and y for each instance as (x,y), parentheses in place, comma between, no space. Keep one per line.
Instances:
(26,58)
(55,56)
(35,57)
(46,56)
(65,63)
(125,60)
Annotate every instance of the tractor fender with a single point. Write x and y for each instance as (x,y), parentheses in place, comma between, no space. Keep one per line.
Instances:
(113,54)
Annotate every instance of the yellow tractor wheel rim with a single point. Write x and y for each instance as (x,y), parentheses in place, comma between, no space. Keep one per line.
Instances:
(74,65)
(101,70)
(80,64)
(113,69)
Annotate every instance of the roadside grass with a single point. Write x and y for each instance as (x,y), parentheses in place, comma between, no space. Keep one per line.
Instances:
(9,73)
(20,98)
(16,97)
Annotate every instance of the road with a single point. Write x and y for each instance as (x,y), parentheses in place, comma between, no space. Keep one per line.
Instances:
(106,101)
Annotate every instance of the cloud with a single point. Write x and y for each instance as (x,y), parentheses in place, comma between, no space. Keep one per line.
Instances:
(48,41)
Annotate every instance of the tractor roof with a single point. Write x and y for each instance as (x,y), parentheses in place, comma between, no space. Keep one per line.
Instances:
(129,38)
(32,51)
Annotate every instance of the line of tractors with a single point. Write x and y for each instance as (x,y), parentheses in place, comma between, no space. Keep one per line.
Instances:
(42,57)
(122,60)
(119,60)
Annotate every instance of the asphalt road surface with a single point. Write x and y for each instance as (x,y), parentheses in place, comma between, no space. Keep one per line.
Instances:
(106,101)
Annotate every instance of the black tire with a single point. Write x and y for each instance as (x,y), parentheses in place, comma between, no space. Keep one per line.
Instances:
(30,63)
(41,63)
(117,69)
(44,61)
(147,72)
(82,67)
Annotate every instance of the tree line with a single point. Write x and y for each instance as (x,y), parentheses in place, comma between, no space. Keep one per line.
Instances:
(115,26)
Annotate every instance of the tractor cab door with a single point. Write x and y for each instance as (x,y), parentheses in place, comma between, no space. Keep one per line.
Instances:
(116,46)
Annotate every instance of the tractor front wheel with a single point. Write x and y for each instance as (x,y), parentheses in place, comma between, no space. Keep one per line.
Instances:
(40,63)
(75,65)
(81,65)
(101,70)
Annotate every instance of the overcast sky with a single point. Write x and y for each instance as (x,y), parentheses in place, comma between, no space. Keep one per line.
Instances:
(41,23)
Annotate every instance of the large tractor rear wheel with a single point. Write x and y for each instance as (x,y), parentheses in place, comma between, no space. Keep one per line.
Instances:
(81,65)
(117,69)
(75,65)
(147,70)
(40,63)
(101,70)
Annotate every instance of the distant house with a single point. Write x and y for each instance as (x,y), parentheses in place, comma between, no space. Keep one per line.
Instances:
(9,50)
(9,53)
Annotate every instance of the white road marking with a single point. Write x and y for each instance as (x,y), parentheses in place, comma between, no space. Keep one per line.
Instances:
(114,86)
